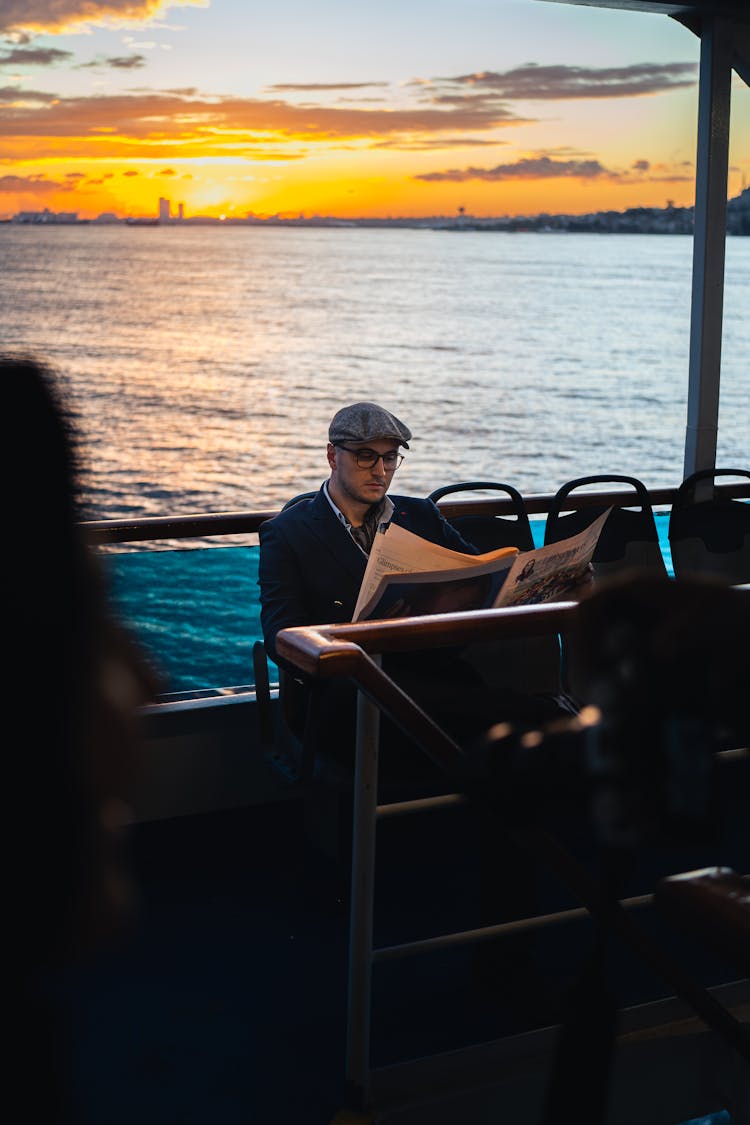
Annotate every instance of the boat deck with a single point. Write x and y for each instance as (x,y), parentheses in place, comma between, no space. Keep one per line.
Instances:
(227,1001)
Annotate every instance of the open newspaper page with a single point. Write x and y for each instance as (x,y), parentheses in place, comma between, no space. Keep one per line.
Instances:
(548,573)
(407,575)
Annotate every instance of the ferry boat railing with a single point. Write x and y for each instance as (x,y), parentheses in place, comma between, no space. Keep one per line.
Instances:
(172,533)
(354,651)
(141,529)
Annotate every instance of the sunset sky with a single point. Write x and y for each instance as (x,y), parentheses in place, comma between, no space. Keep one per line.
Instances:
(348,107)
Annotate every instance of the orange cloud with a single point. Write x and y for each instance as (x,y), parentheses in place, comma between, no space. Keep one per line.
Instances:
(443,111)
(216,126)
(467,104)
(23,16)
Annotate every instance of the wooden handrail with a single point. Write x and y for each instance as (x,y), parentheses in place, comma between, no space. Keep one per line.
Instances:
(347,650)
(197,525)
(332,650)
(99,532)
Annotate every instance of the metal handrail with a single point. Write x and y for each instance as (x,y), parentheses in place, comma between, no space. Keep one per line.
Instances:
(353,650)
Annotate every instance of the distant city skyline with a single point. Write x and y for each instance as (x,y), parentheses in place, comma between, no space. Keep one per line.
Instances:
(403,108)
(670,218)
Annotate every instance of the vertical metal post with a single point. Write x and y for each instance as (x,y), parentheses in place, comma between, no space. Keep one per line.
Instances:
(362,901)
(711,180)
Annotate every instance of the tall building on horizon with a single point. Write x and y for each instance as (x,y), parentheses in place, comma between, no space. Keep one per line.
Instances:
(164,210)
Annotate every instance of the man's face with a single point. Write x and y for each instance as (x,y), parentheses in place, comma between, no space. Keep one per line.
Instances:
(362,485)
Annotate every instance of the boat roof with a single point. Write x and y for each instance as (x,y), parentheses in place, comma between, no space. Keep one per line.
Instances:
(732,8)
(693,14)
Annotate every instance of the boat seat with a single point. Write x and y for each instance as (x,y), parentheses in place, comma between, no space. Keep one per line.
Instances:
(629,538)
(300,496)
(283,747)
(530,664)
(629,541)
(712,904)
(289,743)
(487,533)
(709,535)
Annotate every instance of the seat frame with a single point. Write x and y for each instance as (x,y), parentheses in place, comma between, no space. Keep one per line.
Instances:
(490,532)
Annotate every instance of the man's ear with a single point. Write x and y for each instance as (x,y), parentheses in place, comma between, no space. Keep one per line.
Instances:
(331,455)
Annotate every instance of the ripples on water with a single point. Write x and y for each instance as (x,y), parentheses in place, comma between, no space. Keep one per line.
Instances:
(205,363)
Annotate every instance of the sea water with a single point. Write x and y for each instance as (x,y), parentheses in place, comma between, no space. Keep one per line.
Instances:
(197,612)
(203,364)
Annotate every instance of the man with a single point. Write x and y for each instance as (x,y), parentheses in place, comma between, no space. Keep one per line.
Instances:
(313,557)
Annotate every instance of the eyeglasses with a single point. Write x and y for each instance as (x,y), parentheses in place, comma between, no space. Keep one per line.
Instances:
(368,458)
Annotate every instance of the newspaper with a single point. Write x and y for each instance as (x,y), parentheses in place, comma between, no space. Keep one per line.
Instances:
(407,575)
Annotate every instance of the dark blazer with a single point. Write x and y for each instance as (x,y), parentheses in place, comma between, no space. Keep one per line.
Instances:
(311,569)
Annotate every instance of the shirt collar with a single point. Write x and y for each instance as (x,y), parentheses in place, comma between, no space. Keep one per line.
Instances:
(384,510)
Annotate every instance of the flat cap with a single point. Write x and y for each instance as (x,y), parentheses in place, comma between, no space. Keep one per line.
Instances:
(366,421)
